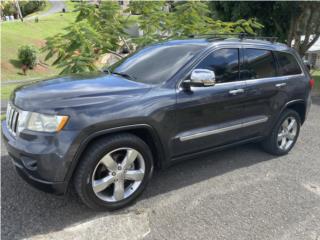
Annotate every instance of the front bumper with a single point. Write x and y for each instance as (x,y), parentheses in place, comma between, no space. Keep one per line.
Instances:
(42,160)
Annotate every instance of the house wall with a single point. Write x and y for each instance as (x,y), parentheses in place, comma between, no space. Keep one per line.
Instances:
(314,58)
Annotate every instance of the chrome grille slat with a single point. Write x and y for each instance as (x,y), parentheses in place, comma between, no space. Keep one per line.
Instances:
(12,119)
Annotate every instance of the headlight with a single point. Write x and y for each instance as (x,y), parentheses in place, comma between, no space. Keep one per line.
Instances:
(41,122)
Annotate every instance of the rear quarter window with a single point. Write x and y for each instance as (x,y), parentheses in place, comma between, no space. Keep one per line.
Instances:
(288,64)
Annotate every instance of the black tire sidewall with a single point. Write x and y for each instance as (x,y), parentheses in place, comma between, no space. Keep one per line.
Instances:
(105,148)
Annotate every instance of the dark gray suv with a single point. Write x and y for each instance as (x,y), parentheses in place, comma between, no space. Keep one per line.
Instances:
(171,101)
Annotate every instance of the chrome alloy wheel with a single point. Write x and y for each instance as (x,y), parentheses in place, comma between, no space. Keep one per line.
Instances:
(287,133)
(118,174)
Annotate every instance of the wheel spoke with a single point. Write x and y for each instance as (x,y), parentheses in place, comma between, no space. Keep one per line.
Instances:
(291,136)
(285,123)
(101,184)
(283,143)
(280,136)
(292,124)
(118,193)
(135,175)
(109,162)
(130,157)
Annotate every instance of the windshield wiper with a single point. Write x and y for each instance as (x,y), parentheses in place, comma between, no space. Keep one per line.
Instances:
(125,75)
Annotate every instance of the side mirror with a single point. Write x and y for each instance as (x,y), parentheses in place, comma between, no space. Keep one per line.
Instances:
(200,78)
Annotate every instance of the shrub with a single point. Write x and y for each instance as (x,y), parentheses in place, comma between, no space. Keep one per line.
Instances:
(28,7)
(27,55)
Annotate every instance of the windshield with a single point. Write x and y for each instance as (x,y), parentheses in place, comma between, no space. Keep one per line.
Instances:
(156,63)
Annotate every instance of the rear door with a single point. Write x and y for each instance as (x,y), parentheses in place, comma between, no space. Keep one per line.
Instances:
(266,89)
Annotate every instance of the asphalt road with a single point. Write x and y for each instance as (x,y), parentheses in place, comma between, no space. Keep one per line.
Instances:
(241,193)
(56,7)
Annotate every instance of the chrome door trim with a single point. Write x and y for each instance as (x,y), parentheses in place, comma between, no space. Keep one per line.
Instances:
(222,130)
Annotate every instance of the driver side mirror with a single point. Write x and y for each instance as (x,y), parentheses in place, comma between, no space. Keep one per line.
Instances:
(200,78)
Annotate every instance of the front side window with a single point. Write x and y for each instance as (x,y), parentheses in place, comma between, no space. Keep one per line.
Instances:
(259,64)
(288,64)
(224,63)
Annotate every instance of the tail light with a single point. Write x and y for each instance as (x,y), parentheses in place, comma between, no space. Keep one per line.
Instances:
(311,83)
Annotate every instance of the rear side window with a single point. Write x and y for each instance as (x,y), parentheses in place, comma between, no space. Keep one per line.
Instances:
(288,64)
(224,63)
(259,64)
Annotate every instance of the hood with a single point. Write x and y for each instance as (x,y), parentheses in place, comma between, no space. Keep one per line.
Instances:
(76,91)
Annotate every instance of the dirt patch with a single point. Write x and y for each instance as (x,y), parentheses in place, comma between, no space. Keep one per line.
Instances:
(39,43)
(40,68)
(5,66)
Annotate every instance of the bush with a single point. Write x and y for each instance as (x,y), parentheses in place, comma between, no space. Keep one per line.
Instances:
(27,55)
(28,7)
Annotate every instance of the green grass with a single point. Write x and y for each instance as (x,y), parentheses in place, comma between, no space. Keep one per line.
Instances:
(15,34)
(6,90)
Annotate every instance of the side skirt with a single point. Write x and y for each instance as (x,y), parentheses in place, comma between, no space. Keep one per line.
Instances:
(205,152)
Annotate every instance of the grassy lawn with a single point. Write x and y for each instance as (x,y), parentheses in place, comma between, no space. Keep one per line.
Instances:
(7,89)
(15,34)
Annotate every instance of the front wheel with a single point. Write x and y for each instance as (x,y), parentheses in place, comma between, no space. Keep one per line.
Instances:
(113,172)
(284,135)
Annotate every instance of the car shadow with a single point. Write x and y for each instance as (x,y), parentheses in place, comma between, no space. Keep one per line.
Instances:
(27,212)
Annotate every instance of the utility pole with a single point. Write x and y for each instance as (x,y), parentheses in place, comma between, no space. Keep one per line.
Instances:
(19,10)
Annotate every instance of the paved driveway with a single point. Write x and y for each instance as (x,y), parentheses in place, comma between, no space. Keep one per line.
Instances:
(242,193)
(56,7)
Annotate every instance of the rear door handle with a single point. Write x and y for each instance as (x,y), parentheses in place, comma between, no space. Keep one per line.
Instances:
(236,91)
(280,85)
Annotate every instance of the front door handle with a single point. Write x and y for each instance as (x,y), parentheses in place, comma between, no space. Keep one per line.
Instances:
(236,91)
(280,85)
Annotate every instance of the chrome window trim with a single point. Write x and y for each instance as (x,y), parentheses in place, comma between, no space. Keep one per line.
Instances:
(222,130)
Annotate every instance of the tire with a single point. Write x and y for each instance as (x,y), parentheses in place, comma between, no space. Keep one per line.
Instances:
(271,143)
(95,166)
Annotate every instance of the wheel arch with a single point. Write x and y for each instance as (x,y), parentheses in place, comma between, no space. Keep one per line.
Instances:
(144,131)
(299,106)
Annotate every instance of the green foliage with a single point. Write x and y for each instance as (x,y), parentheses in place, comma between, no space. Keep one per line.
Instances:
(76,51)
(27,55)
(153,21)
(8,9)
(28,7)
(287,20)
(101,28)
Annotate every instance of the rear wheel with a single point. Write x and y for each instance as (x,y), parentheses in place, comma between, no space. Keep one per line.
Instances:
(113,172)
(285,133)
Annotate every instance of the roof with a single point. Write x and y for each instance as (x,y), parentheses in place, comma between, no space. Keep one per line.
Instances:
(315,47)
(207,42)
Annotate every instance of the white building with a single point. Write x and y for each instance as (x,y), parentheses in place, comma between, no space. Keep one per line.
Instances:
(313,55)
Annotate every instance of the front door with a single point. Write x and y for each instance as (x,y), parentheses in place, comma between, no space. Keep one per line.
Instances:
(211,116)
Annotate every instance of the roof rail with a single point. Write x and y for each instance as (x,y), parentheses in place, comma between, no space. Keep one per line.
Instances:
(241,36)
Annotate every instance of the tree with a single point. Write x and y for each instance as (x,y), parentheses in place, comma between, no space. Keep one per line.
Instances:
(27,55)
(289,21)
(100,29)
